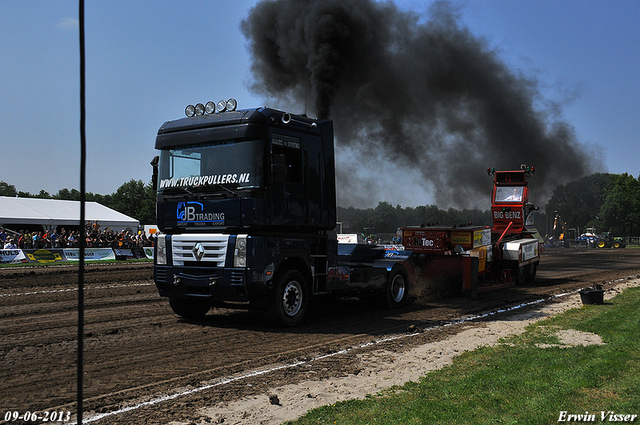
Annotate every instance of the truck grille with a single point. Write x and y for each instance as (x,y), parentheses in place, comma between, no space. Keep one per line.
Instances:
(201,248)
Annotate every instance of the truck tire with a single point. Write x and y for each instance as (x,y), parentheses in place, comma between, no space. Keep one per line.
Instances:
(520,275)
(189,308)
(290,299)
(396,291)
(531,273)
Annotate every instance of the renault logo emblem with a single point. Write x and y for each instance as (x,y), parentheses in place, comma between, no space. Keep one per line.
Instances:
(198,251)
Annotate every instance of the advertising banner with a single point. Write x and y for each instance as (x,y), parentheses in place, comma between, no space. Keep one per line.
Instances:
(12,256)
(529,251)
(428,241)
(124,254)
(73,254)
(349,238)
(148,252)
(45,255)
(141,252)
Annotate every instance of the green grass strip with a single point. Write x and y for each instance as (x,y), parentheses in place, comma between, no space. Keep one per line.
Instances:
(517,382)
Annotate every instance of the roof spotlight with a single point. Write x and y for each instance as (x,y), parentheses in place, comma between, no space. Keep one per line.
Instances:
(210,107)
(199,109)
(222,105)
(232,104)
(190,111)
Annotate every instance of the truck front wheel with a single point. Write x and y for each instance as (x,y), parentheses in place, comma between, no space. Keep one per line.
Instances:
(189,308)
(290,299)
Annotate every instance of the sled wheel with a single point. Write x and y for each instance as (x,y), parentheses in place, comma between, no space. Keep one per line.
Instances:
(520,274)
(397,289)
(531,272)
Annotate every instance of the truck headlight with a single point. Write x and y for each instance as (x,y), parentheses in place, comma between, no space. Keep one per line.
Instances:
(161,249)
(240,253)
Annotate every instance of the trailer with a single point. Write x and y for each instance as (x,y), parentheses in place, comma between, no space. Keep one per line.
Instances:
(246,212)
(472,259)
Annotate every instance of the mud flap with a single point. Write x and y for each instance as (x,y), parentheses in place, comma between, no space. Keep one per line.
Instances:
(470,276)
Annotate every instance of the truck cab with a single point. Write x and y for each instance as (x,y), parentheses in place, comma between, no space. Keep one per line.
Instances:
(246,208)
(245,201)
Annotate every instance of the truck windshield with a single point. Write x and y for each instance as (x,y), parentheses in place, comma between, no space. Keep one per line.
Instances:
(509,194)
(216,166)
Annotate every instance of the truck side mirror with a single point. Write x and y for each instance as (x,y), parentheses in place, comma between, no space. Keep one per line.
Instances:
(278,168)
(154,176)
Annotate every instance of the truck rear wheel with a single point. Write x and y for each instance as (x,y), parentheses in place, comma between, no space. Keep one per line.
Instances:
(396,291)
(189,308)
(290,299)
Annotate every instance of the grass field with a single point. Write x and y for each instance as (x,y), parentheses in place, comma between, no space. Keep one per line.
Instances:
(527,379)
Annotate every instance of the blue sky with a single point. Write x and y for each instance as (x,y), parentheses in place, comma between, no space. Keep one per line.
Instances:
(147,60)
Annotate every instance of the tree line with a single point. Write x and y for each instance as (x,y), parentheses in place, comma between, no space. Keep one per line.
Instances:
(608,202)
(385,218)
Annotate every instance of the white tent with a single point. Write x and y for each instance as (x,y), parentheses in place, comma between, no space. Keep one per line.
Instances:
(52,213)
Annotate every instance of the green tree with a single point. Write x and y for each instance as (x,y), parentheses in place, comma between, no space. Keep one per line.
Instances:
(7,189)
(620,211)
(384,218)
(355,217)
(68,195)
(136,200)
(427,214)
(578,203)
(101,199)
(387,219)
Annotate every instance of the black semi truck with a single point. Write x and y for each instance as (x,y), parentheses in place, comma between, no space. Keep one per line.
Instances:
(246,212)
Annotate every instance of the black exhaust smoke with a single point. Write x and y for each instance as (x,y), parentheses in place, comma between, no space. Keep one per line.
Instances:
(420,98)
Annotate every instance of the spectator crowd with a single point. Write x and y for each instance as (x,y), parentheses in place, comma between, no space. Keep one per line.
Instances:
(94,238)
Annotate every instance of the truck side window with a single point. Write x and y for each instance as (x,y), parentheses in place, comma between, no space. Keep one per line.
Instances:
(294,163)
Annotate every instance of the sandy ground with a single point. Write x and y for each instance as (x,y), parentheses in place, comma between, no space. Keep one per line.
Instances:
(383,368)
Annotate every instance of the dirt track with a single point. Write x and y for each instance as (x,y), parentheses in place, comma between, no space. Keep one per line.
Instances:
(136,349)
